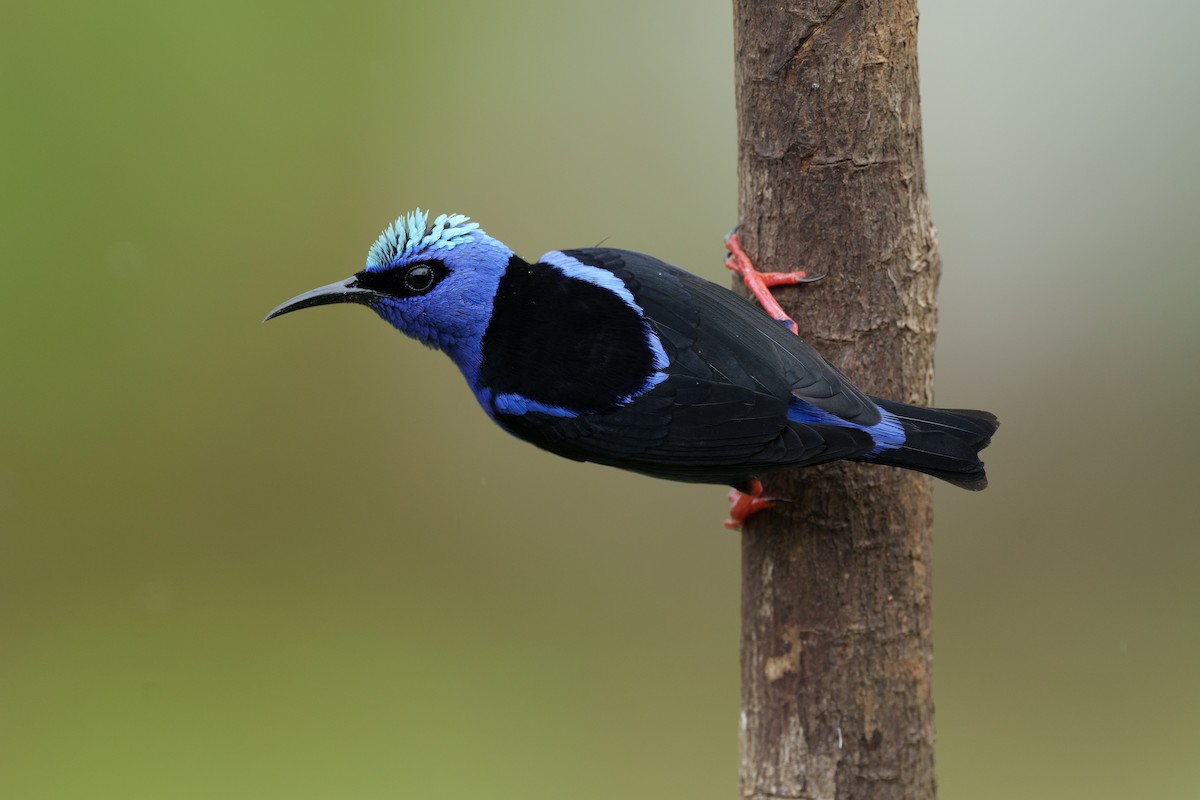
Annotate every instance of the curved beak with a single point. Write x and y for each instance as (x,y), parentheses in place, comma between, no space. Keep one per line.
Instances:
(346,291)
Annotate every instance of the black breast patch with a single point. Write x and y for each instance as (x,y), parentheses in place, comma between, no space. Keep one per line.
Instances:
(563,342)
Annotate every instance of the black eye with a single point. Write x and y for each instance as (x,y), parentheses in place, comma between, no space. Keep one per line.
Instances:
(418,278)
(404,281)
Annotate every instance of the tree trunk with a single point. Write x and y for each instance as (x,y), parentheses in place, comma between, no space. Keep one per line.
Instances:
(837,639)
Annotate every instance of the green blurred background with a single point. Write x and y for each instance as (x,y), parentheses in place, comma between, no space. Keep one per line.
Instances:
(296,561)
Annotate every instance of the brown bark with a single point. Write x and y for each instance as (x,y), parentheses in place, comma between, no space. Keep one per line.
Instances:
(836,617)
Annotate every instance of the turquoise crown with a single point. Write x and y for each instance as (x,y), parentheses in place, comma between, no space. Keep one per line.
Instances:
(411,235)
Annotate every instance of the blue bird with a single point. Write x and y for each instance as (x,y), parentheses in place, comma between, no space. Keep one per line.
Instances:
(617,358)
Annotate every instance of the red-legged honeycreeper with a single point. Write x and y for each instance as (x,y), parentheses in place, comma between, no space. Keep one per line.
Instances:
(615,357)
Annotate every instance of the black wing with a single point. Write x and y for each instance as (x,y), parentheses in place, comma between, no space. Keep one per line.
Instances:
(699,315)
(721,414)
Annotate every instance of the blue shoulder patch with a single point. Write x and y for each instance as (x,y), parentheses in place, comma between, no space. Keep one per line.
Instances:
(519,404)
(573,268)
(584,272)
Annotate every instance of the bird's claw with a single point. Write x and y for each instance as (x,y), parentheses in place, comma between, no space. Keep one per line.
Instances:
(745,504)
(759,283)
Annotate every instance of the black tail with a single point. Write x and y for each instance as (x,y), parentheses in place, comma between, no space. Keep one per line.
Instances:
(942,442)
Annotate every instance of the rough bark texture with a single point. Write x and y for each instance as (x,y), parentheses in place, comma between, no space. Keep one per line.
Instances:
(837,631)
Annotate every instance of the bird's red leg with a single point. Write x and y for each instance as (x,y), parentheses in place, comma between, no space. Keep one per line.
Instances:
(743,505)
(759,283)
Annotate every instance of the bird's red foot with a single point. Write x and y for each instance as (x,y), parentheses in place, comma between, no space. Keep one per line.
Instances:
(759,283)
(746,504)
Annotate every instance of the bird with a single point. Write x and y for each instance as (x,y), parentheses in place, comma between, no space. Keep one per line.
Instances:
(615,357)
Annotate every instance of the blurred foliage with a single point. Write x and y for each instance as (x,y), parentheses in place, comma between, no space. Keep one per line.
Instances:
(295,561)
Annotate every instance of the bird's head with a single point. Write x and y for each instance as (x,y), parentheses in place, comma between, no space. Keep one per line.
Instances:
(434,282)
